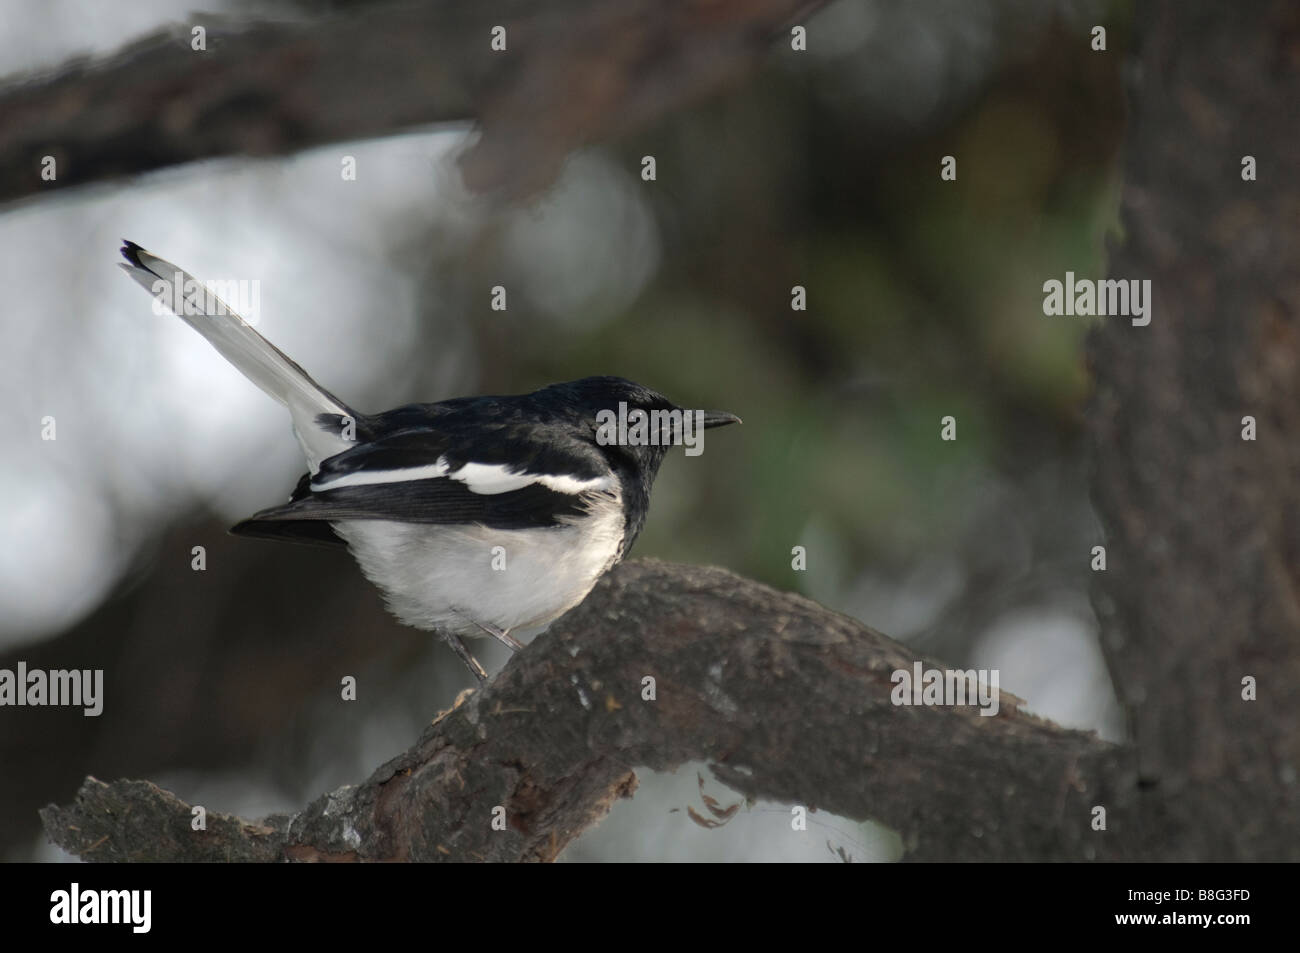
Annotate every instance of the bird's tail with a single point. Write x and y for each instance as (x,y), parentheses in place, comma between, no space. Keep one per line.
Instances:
(257,358)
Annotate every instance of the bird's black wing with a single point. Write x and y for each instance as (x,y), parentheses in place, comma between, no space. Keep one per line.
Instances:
(475,464)
(268,524)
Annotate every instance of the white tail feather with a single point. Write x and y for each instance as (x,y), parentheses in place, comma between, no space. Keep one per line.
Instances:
(256,358)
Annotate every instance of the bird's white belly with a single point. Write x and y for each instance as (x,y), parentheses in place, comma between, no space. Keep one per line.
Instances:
(449,578)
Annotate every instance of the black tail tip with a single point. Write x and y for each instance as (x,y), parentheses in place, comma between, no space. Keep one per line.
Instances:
(131,252)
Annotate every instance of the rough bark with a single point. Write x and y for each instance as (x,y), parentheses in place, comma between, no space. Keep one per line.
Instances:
(1202,587)
(786,699)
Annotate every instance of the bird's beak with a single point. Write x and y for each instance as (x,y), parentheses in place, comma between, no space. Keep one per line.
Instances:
(719,418)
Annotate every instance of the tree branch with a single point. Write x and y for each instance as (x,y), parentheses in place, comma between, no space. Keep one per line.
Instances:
(573,73)
(784,698)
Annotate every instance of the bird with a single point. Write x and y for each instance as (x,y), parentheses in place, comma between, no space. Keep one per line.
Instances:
(482,516)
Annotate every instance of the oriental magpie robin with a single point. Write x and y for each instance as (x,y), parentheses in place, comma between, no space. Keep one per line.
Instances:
(477,516)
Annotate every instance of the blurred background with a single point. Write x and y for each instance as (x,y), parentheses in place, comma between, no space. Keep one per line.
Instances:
(924,299)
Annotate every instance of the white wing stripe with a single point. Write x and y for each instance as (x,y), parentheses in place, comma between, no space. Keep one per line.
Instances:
(574,486)
(369,477)
(486,479)
(490,479)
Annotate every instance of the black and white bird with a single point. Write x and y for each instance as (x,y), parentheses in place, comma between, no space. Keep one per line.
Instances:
(424,494)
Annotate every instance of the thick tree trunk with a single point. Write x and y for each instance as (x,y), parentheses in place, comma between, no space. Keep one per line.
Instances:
(1202,587)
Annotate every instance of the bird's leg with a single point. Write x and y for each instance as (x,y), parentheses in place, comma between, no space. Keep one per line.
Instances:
(505,638)
(470,661)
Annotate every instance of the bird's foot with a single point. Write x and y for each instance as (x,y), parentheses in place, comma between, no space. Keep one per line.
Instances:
(505,638)
(470,661)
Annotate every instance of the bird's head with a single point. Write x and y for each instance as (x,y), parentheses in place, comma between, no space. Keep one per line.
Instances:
(632,423)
